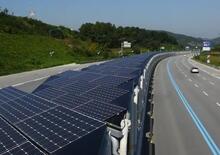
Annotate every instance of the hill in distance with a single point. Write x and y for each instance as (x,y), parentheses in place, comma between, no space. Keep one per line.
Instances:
(28,44)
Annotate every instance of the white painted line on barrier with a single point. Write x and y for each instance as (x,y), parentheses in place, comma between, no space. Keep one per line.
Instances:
(218,104)
(34,80)
(212,83)
(196,85)
(205,93)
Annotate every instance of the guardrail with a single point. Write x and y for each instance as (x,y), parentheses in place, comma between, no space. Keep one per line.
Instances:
(142,110)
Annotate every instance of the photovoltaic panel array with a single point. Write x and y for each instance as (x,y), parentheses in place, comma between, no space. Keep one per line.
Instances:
(24,107)
(99,110)
(69,109)
(10,93)
(58,127)
(50,93)
(78,87)
(110,81)
(25,148)
(105,94)
(12,142)
(71,101)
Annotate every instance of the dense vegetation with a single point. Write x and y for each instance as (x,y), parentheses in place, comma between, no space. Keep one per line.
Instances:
(111,36)
(27,44)
(214,56)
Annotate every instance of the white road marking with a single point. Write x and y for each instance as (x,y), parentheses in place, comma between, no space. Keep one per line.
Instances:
(18,84)
(190,80)
(218,104)
(185,75)
(205,93)
(212,83)
(196,85)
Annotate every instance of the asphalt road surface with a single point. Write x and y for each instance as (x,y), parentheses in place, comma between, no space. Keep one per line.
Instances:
(187,108)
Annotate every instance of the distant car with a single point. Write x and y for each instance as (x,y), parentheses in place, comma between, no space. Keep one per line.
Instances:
(194,70)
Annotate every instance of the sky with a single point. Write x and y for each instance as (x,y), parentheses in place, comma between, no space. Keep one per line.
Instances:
(197,18)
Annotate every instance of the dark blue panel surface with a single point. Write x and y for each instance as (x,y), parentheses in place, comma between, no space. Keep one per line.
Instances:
(12,142)
(110,81)
(10,93)
(50,93)
(86,76)
(99,110)
(24,149)
(105,94)
(24,107)
(58,127)
(78,87)
(71,101)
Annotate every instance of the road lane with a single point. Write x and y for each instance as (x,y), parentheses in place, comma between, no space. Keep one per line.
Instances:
(174,131)
(203,105)
(206,82)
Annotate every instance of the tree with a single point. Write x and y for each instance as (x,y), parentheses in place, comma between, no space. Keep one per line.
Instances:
(5,11)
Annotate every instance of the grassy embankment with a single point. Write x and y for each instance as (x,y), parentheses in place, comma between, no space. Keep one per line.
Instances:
(214,58)
(28,52)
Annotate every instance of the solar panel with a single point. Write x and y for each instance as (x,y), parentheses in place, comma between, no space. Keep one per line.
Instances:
(65,78)
(50,93)
(12,142)
(58,127)
(25,148)
(86,76)
(99,110)
(110,81)
(60,82)
(10,93)
(105,94)
(24,107)
(70,74)
(78,87)
(71,101)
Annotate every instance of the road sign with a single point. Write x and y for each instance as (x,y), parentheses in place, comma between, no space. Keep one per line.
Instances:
(206,46)
(126,44)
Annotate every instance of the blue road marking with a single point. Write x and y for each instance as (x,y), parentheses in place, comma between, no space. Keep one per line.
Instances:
(208,139)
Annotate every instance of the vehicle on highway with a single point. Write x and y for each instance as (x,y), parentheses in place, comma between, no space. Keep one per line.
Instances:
(194,70)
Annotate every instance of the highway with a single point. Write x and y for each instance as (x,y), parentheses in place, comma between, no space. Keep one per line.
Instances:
(187,108)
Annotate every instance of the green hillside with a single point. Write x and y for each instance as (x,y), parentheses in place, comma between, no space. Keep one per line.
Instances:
(185,40)
(27,52)
(28,44)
